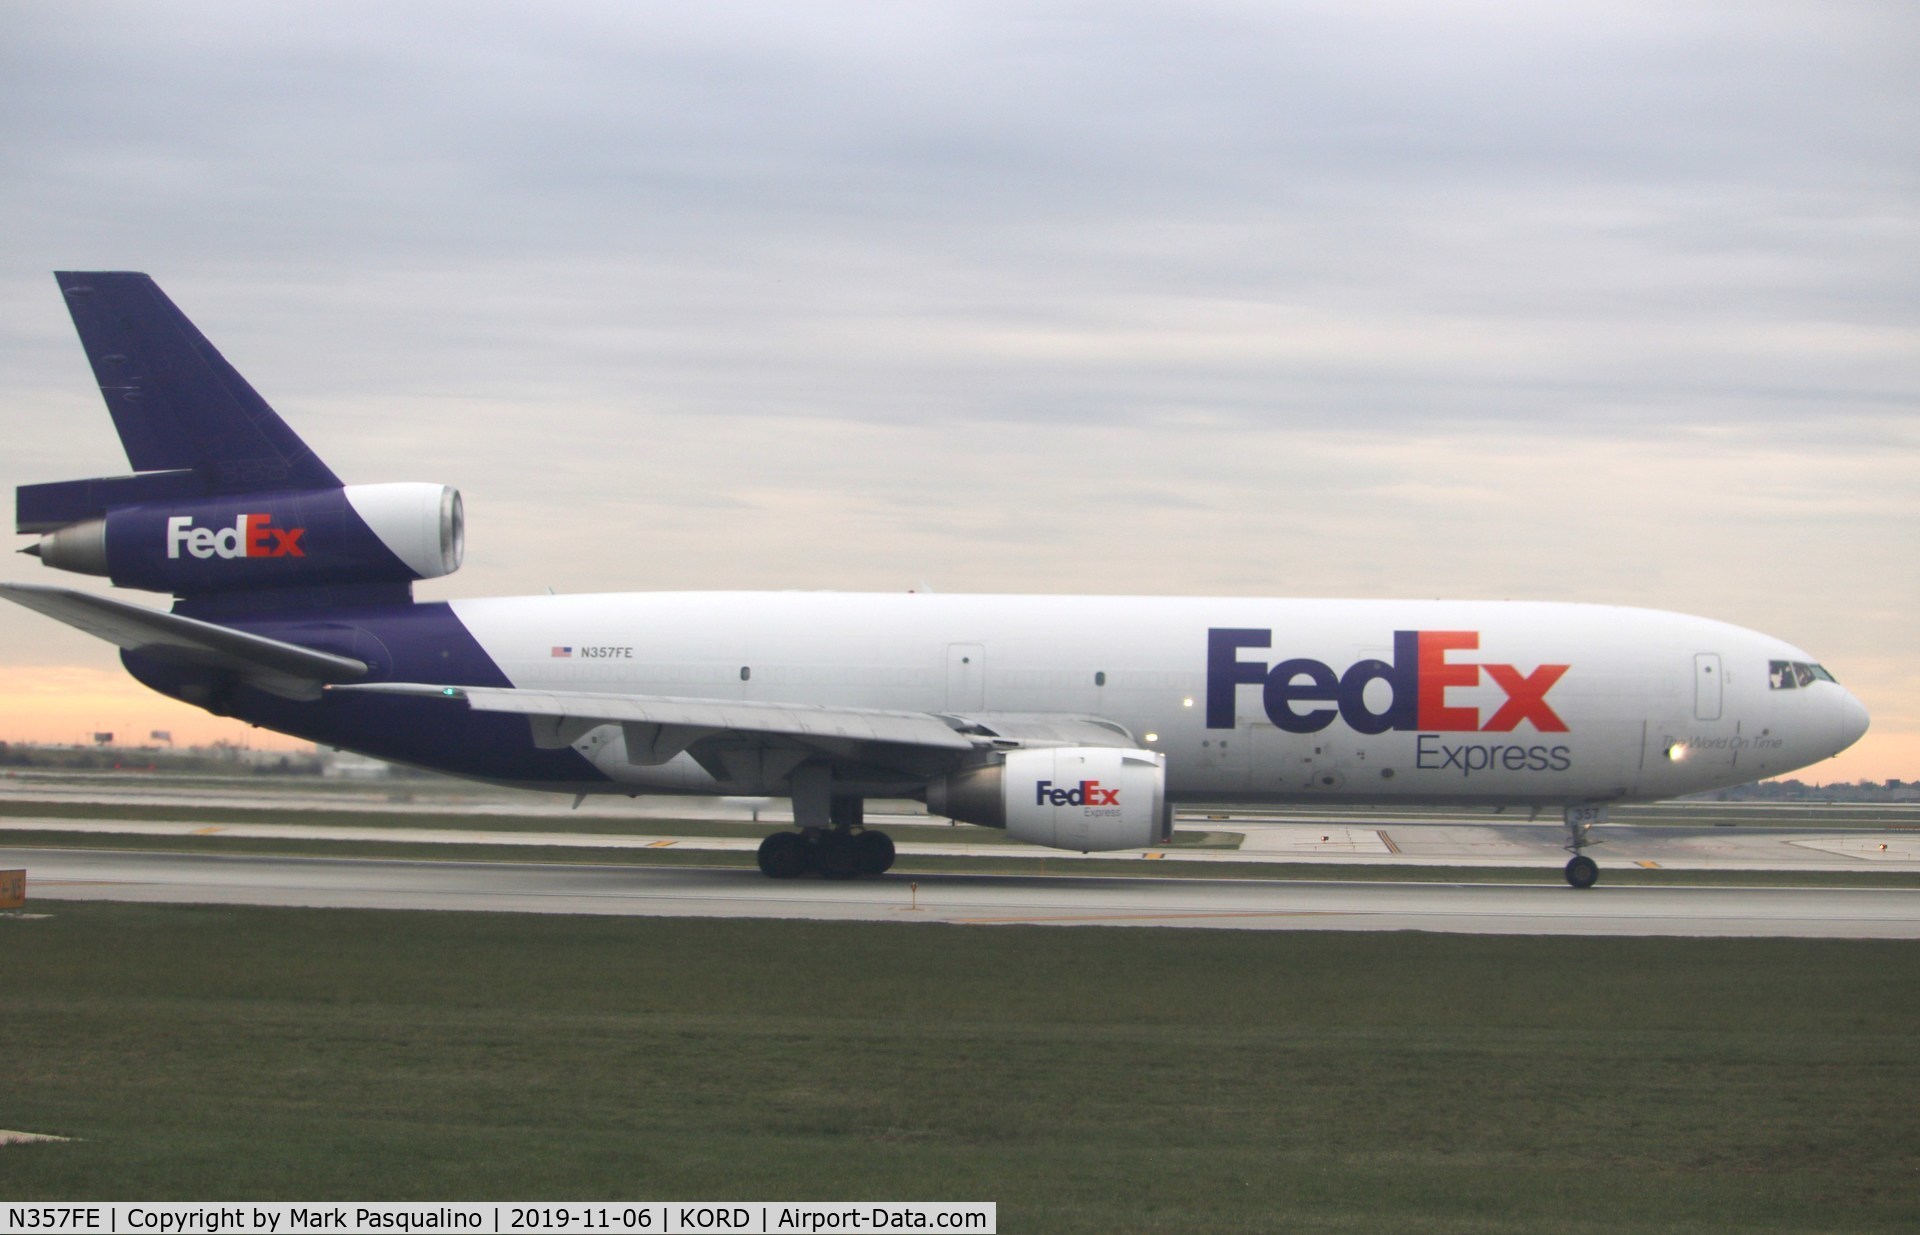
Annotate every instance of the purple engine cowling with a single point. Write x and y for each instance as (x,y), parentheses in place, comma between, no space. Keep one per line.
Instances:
(356,534)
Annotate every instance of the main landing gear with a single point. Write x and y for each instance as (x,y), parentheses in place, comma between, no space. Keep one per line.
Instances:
(834,853)
(832,838)
(1582,872)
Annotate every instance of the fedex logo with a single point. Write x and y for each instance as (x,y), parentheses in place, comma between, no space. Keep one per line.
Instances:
(250,536)
(1086,793)
(1426,665)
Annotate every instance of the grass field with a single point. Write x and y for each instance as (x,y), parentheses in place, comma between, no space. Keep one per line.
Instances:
(1087,1080)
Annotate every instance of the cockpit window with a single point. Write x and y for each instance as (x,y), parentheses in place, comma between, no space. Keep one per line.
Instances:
(1793,674)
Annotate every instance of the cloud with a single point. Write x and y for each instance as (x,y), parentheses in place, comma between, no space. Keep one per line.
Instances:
(1609,301)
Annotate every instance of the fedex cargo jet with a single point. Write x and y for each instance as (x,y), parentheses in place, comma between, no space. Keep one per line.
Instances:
(1071,721)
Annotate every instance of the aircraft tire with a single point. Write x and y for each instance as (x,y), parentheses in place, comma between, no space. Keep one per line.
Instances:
(838,856)
(876,852)
(785,855)
(1581,872)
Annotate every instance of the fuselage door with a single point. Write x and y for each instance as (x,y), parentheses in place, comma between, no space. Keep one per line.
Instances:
(1706,686)
(966,677)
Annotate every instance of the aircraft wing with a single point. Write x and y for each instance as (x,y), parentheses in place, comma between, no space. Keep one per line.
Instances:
(282,668)
(722,733)
(568,714)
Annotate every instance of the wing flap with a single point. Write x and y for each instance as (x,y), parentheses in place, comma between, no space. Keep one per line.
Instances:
(682,721)
(1048,729)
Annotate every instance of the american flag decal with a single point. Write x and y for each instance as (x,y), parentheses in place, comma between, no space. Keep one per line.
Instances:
(563,653)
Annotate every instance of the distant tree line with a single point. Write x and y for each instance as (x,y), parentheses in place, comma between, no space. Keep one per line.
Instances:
(221,759)
(1894,790)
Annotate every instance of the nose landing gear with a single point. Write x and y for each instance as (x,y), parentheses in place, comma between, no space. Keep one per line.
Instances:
(1582,871)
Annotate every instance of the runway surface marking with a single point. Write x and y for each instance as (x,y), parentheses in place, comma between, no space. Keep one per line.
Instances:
(1510,845)
(1063,901)
(1876,849)
(27,1138)
(1154,917)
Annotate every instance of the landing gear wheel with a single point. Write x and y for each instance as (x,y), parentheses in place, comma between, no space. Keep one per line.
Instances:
(785,855)
(1581,872)
(876,852)
(838,856)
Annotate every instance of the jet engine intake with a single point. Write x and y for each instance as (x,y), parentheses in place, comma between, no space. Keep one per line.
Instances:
(1066,797)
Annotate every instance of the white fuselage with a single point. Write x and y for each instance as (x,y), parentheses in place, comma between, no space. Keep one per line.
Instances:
(1253,700)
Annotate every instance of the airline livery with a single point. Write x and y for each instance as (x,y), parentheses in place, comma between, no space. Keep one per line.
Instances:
(1071,721)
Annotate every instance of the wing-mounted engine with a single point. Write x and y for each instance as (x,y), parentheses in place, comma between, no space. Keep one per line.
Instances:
(1067,797)
(198,544)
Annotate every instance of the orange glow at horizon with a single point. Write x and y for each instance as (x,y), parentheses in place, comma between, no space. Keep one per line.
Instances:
(67,704)
(1877,757)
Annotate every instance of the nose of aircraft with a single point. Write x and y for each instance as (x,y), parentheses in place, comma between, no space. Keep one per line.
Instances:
(1853,721)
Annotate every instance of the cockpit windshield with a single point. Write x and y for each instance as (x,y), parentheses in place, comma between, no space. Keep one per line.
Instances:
(1794,674)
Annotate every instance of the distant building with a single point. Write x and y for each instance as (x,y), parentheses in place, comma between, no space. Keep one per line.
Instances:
(344,766)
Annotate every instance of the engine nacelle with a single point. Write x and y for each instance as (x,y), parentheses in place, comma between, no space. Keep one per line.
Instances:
(1065,797)
(394,533)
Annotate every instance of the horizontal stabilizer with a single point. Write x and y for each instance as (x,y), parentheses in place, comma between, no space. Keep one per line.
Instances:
(282,668)
(39,509)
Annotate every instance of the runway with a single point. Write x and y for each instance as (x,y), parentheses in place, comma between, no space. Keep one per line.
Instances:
(1534,846)
(1548,908)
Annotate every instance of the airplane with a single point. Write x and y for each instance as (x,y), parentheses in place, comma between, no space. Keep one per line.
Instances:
(1076,722)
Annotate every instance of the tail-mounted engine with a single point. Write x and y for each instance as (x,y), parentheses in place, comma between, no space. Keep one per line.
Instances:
(1067,797)
(355,534)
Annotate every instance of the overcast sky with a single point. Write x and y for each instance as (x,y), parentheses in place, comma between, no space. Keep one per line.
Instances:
(1605,302)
